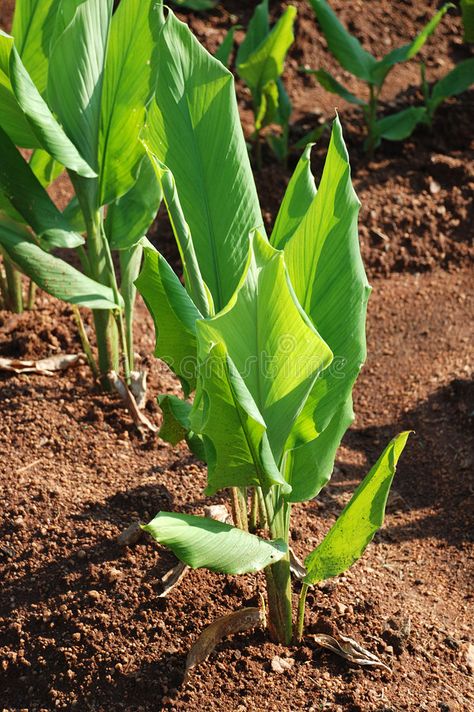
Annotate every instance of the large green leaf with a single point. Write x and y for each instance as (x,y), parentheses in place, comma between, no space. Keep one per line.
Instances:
(297,199)
(12,119)
(265,64)
(129,217)
(193,127)
(176,424)
(27,195)
(257,31)
(33,26)
(204,543)
(76,71)
(174,315)
(327,273)
(454,82)
(403,54)
(127,89)
(48,132)
(354,529)
(265,337)
(345,47)
(53,275)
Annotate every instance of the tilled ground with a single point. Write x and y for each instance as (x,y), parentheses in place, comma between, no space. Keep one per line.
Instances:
(81,624)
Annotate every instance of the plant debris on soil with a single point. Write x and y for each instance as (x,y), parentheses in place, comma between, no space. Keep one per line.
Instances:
(82,623)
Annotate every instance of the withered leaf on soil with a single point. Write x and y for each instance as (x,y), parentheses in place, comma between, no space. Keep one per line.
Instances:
(138,387)
(219,512)
(235,622)
(280,665)
(172,578)
(139,418)
(350,650)
(44,366)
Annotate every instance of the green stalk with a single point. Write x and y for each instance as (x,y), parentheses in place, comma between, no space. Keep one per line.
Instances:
(119,312)
(301,608)
(278,575)
(85,341)
(14,286)
(30,303)
(130,261)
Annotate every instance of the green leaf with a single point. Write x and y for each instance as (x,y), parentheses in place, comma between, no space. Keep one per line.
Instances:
(130,217)
(176,425)
(467,10)
(51,274)
(345,47)
(127,89)
(198,5)
(33,26)
(248,369)
(328,82)
(327,273)
(76,71)
(45,167)
(204,543)
(12,119)
(48,132)
(27,195)
(194,128)
(297,199)
(454,82)
(403,54)
(399,126)
(174,315)
(265,64)
(354,529)
(224,50)
(257,31)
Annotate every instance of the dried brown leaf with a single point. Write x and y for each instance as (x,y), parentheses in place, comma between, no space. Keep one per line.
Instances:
(172,578)
(138,387)
(350,650)
(236,622)
(219,512)
(139,418)
(44,366)
(297,568)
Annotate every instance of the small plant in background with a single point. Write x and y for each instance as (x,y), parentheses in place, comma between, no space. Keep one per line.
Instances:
(453,83)
(467,10)
(260,62)
(357,61)
(75,86)
(268,332)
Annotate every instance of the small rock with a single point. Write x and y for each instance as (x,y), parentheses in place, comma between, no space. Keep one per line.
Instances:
(341,608)
(113,575)
(81,554)
(131,535)
(95,595)
(470,657)
(279,665)
(434,187)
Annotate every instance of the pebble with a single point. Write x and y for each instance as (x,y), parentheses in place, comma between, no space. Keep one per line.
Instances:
(95,595)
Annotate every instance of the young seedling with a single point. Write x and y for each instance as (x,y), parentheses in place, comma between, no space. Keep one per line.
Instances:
(76,82)
(268,332)
(260,62)
(357,61)
(400,125)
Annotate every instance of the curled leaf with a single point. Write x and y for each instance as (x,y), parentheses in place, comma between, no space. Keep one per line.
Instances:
(350,650)
(297,568)
(139,418)
(44,366)
(235,622)
(172,578)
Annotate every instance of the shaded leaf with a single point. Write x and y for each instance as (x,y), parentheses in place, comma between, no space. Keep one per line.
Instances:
(200,542)
(454,82)
(52,274)
(224,50)
(257,30)
(345,47)
(399,126)
(328,82)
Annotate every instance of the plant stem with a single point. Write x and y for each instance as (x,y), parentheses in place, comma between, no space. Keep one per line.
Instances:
(30,303)
(85,341)
(235,505)
(3,288)
(301,608)
(130,261)
(254,513)
(278,575)
(119,312)
(15,293)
